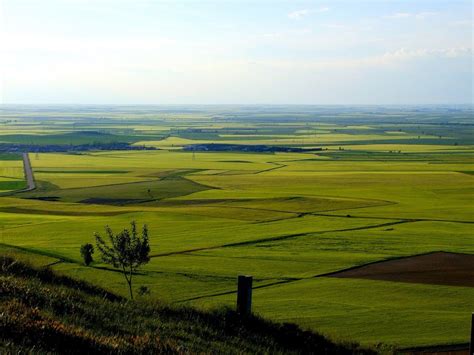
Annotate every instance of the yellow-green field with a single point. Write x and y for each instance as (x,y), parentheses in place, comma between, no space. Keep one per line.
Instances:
(287,218)
(11,173)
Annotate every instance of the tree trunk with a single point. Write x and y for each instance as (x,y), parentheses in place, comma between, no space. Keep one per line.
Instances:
(129,281)
(130,289)
(130,284)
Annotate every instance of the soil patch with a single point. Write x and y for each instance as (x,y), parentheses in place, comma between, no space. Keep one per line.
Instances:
(438,268)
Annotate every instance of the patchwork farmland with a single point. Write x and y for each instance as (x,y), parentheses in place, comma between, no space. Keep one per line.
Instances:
(358,226)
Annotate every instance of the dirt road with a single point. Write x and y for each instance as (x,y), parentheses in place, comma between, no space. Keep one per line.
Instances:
(30,179)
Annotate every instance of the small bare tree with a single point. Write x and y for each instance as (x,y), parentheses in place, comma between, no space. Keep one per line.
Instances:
(127,250)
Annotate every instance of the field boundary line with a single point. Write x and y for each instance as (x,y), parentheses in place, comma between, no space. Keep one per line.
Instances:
(282,281)
(39,252)
(421,219)
(278,166)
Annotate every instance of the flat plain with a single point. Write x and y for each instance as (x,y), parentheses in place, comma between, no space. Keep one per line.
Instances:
(359,186)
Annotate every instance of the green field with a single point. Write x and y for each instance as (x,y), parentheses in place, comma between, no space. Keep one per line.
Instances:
(11,172)
(385,183)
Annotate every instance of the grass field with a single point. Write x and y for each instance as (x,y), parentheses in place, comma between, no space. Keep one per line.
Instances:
(11,172)
(379,188)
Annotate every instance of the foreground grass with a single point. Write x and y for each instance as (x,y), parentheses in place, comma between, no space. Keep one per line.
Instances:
(45,312)
(396,314)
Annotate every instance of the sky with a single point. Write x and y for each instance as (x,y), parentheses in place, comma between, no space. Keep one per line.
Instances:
(236,52)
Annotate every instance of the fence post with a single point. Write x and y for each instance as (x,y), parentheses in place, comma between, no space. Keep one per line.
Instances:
(471,344)
(244,295)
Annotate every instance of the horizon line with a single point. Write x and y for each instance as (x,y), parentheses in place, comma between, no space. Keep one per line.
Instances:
(238,104)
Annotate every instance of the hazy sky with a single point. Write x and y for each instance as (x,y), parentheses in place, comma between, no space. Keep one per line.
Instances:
(224,51)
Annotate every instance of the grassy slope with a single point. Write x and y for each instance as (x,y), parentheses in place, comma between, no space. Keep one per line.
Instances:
(44,312)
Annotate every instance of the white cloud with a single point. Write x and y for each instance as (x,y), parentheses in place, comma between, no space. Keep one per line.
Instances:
(418,16)
(298,14)
(29,41)
(462,23)
(403,55)
(336,26)
(423,15)
(399,15)
(295,15)
(322,9)
(391,58)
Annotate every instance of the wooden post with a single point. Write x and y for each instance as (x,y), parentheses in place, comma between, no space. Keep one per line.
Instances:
(471,344)
(244,295)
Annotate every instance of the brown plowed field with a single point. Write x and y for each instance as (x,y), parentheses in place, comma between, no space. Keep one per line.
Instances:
(438,268)
(440,352)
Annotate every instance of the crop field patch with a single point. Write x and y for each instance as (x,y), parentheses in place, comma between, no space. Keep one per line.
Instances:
(286,207)
(82,171)
(228,212)
(10,156)
(301,204)
(439,268)
(12,185)
(130,193)
(59,212)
